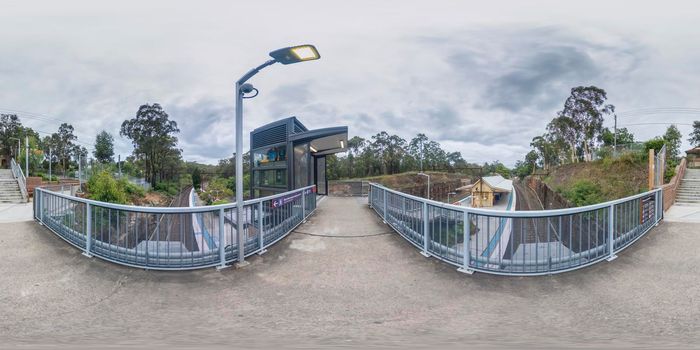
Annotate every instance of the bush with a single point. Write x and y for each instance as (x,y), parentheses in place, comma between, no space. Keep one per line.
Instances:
(169,188)
(45,177)
(103,187)
(584,192)
(132,189)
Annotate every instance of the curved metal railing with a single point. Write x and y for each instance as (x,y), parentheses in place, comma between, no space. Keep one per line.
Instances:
(170,238)
(518,242)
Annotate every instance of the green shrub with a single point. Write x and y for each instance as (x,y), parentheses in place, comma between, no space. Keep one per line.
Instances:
(167,187)
(131,189)
(584,192)
(103,187)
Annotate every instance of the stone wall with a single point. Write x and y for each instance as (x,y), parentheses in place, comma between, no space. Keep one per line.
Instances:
(348,188)
(550,199)
(438,191)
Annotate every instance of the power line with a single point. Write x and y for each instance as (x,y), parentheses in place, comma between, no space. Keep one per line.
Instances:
(657,123)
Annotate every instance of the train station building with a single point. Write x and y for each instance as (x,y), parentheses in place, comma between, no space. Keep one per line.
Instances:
(285,155)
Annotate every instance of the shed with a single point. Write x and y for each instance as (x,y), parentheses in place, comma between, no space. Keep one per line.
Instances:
(488,190)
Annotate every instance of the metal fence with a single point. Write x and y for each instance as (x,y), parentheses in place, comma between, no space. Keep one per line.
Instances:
(518,242)
(660,167)
(170,238)
(21,179)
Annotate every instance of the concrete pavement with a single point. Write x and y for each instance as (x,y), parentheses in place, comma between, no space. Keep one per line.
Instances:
(683,213)
(16,212)
(346,279)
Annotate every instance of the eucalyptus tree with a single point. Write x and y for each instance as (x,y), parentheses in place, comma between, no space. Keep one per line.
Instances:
(104,147)
(153,135)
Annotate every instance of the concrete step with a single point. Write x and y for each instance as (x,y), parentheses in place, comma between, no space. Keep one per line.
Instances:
(687,204)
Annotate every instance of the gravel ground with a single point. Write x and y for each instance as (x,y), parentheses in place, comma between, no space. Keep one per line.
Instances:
(344,279)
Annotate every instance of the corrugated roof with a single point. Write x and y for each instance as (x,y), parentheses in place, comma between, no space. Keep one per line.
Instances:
(498,182)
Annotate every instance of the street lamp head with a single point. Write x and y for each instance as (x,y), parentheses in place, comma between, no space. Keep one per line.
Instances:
(247,88)
(295,54)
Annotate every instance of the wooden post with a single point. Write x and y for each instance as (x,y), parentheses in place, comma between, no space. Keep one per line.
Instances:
(651,169)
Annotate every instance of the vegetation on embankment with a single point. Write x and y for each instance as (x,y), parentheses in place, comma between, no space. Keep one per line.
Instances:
(412,179)
(599,181)
(102,186)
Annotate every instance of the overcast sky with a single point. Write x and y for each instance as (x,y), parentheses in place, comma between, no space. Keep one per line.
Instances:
(480,77)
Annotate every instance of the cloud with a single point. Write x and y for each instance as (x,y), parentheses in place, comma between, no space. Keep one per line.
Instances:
(479,82)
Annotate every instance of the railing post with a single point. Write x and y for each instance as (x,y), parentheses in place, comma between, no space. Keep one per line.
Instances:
(222,240)
(260,229)
(611,233)
(466,258)
(659,206)
(41,203)
(303,206)
(425,230)
(384,214)
(88,230)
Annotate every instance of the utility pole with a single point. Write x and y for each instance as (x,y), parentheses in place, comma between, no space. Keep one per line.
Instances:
(615,137)
(119,163)
(80,169)
(421,156)
(26,156)
(50,177)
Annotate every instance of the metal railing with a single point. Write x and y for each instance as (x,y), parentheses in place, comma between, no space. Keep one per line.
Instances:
(21,179)
(518,242)
(170,238)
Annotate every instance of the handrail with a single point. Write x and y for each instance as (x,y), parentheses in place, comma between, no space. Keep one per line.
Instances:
(539,242)
(21,179)
(518,214)
(165,238)
(173,210)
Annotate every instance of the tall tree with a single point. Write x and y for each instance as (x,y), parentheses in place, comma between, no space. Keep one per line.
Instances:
(10,127)
(64,145)
(695,134)
(586,107)
(673,139)
(104,147)
(624,137)
(563,132)
(153,135)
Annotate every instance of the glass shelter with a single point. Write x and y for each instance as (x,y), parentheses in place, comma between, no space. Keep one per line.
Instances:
(285,155)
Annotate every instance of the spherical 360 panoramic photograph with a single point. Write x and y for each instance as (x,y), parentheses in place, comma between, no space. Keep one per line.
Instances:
(349,174)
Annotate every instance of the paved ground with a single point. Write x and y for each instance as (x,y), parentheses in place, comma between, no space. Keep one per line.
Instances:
(14,212)
(352,284)
(683,213)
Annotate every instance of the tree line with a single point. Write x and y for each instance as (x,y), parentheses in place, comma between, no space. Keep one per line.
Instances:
(386,154)
(577,134)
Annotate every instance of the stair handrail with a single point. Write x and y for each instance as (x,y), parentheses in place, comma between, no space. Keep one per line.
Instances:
(21,179)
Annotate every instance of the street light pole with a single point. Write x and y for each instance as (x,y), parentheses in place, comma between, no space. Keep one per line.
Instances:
(50,177)
(284,56)
(428,176)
